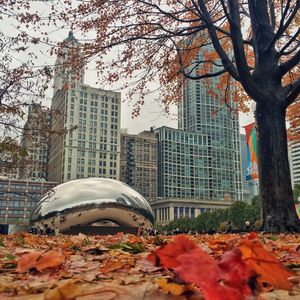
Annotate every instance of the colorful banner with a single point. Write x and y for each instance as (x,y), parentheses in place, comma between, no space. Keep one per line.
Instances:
(252,169)
(298,210)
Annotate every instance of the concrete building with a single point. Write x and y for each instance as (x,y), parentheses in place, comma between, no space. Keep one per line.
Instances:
(138,166)
(170,209)
(250,187)
(19,197)
(295,162)
(36,141)
(93,148)
(199,112)
(9,158)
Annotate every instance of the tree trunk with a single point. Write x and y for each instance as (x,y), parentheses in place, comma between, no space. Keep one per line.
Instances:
(278,209)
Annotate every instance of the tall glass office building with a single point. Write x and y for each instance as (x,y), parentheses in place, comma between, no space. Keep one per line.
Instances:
(183,160)
(197,113)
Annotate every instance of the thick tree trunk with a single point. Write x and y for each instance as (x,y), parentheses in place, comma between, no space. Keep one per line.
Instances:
(278,209)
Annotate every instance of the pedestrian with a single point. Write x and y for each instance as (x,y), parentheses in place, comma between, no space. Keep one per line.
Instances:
(248,226)
(41,229)
(56,231)
(229,227)
(47,229)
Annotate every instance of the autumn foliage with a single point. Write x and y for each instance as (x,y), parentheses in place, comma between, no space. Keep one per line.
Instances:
(293,117)
(235,275)
(164,268)
(241,50)
(40,261)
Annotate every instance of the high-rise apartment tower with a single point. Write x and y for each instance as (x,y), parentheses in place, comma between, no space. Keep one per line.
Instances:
(92,149)
(200,112)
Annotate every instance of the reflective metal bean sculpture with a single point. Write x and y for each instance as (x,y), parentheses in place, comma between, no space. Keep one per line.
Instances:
(92,201)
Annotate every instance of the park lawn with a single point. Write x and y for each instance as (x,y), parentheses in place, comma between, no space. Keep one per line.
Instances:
(249,266)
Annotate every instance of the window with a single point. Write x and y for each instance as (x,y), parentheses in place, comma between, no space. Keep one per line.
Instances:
(175,213)
(181,212)
(187,211)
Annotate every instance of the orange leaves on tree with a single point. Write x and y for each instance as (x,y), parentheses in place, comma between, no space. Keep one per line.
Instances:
(265,264)
(40,261)
(188,51)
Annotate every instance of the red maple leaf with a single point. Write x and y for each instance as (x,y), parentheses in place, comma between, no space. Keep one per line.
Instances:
(167,255)
(227,279)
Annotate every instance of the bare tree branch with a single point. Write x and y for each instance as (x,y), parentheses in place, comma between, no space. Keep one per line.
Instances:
(283,26)
(290,64)
(292,91)
(292,39)
(238,48)
(188,74)
(212,32)
(272,14)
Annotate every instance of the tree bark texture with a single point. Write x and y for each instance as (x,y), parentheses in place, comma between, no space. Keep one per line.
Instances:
(278,208)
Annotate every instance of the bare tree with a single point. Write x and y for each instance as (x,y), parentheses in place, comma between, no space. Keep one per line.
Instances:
(24,80)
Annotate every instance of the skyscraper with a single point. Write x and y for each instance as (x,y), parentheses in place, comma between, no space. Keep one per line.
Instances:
(92,149)
(295,162)
(138,162)
(36,141)
(182,164)
(200,112)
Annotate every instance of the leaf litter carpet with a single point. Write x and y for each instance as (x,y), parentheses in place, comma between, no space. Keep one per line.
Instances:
(128,267)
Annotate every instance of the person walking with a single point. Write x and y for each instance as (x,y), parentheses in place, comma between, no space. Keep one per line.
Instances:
(248,226)
(56,231)
(229,227)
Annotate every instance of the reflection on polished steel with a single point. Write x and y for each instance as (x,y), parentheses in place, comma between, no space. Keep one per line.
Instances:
(92,201)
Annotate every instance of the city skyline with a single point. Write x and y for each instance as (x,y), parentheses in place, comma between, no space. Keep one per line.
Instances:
(152,113)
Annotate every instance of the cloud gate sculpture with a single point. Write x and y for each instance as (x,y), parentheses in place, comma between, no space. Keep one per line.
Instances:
(92,201)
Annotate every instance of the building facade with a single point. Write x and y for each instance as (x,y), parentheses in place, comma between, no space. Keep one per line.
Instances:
(36,141)
(183,161)
(138,166)
(295,162)
(19,197)
(92,148)
(9,158)
(200,112)
(170,209)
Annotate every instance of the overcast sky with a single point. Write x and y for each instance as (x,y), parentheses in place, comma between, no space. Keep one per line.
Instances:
(152,113)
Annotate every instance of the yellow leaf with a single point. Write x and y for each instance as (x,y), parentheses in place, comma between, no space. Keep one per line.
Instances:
(169,287)
(65,291)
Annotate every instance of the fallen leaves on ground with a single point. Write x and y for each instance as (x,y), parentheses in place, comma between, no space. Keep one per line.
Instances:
(265,264)
(40,261)
(193,267)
